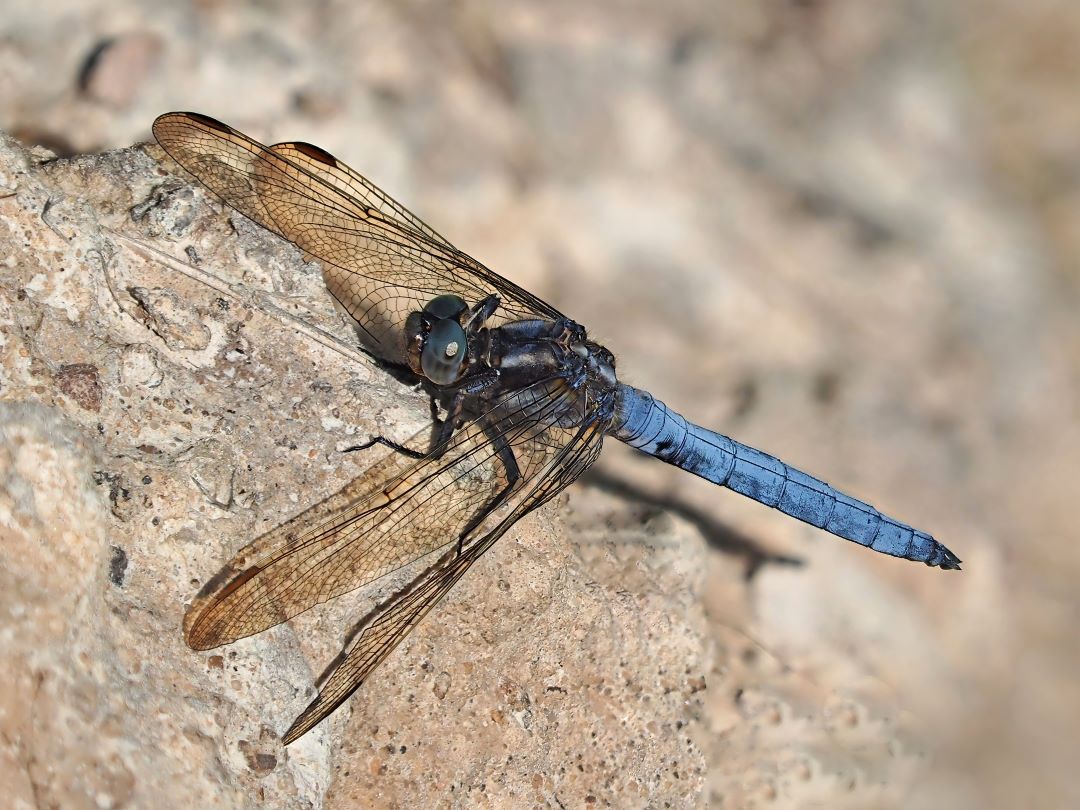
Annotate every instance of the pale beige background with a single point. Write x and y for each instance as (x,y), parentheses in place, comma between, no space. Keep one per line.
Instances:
(846,232)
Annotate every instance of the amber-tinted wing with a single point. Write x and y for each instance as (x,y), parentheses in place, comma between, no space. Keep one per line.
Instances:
(380,261)
(397,617)
(389,517)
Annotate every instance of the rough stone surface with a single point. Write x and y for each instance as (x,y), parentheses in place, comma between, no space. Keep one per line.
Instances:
(180,422)
(843,231)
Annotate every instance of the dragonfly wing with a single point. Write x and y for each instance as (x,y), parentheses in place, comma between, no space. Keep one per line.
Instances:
(385,519)
(380,261)
(378,639)
(563,455)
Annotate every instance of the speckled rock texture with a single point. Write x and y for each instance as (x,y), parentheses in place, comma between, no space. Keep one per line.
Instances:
(160,423)
(844,232)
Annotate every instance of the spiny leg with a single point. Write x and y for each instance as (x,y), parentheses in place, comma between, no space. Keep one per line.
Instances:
(513,475)
(400,448)
(444,429)
(400,371)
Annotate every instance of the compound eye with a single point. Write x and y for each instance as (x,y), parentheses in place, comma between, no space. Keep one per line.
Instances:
(444,351)
(446,306)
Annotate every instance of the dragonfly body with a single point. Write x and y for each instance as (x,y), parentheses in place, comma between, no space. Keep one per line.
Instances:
(521,354)
(649,425)
(529,401)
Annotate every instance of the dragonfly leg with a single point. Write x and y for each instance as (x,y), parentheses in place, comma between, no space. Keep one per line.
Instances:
(513,475)
(401,372)
(481,312)
(446,425)
(445,428)
(400,448)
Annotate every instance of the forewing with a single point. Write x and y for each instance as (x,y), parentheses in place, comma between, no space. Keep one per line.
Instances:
(387,518)
(380,261)
(563,454)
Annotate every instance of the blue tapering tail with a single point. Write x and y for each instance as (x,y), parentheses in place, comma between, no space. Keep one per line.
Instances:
(649,425)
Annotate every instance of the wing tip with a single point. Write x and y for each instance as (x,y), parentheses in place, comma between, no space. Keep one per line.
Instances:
(198,633)
(205,120)
(295,732)
(315,713)
(313,152)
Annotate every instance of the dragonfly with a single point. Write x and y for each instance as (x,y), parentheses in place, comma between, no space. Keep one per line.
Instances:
(527,401)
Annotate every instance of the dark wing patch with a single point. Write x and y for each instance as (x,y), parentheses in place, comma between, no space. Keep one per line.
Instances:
(380,260)
(397,512)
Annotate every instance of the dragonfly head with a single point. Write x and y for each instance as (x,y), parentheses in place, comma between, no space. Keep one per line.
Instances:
(437,344)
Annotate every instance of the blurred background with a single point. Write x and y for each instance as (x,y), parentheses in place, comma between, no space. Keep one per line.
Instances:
(845,232)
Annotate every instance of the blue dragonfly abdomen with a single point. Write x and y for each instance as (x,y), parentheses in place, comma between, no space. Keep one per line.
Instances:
(646,423)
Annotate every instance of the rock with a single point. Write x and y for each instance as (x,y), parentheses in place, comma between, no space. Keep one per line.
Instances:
(179,425)
(845,232)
